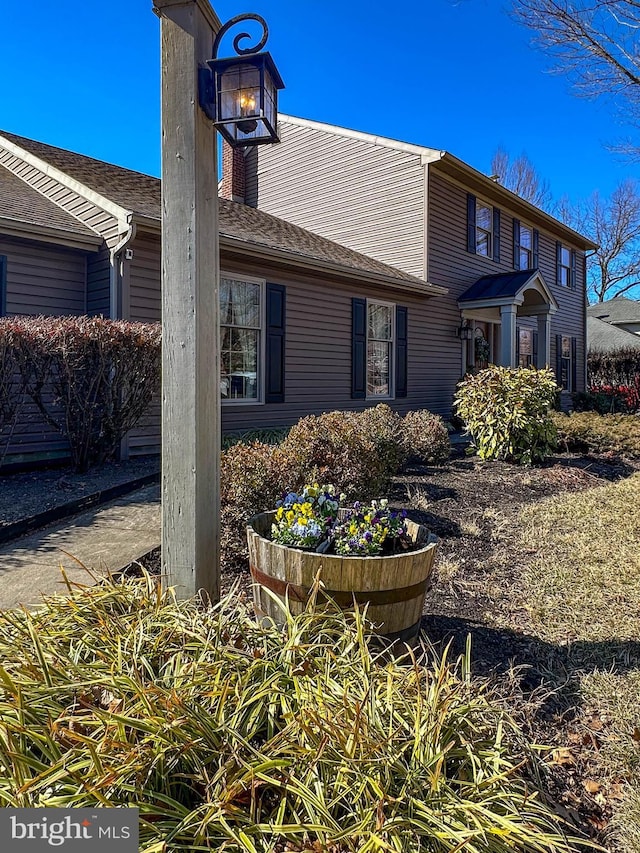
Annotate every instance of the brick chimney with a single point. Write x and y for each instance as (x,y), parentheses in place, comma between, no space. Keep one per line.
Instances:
(233,173)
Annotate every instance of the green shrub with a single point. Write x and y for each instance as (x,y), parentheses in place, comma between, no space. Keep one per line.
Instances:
(599,433)
(236,737)
(425,436)
(506,412)
(357,452)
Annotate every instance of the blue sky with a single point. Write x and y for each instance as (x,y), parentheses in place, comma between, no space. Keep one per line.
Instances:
(460,76)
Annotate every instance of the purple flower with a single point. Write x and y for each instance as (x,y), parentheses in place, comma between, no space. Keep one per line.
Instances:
(368,536)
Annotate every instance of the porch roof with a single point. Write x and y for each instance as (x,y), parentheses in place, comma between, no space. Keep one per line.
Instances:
(505,285)
(510,288)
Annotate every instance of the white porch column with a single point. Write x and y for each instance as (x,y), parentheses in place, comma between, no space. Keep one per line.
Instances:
(508,335)
(544,340)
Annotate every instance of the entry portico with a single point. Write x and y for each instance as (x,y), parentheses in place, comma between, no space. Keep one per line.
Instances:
(500,300)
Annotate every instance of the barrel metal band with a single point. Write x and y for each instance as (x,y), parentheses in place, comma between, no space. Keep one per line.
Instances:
(341,598)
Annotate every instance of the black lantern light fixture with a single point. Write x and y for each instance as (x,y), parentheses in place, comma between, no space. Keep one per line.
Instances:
(464,332)
(240,93)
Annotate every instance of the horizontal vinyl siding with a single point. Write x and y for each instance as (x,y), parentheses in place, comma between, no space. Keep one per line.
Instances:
(452,266)
(43,279)
(365,196)
(99,283)
(144,280)
(318,355)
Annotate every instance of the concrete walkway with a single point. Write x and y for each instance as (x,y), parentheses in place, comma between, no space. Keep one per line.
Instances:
(107,537)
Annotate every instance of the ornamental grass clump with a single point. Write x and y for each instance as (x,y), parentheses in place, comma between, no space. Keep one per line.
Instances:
(229,735)
(507,412)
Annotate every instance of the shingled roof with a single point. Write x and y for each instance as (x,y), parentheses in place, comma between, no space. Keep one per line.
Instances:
(605,337)
(23,205)
(141,194)
(616,310)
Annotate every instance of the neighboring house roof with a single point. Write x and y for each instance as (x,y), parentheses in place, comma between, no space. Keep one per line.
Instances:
(603,336)
(24,211)
(456,168)
(616,310)
(140,194)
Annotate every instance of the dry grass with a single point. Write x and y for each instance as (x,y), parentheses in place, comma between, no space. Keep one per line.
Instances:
(585,583)
(582,590)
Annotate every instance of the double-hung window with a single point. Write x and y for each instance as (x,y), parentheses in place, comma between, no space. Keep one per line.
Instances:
(484,229)
(565,364)
(241,333)
(380,342)
(526,247)
(564,266)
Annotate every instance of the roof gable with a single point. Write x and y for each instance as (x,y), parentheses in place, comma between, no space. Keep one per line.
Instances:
(620,309)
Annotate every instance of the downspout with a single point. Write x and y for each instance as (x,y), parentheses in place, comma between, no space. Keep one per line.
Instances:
(117,295)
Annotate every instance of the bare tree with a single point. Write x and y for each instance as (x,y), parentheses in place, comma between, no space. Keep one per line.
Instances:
(520,176)
(595,42)
(614,224)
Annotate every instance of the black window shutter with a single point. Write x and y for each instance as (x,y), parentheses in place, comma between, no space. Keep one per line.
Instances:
(401,352)
(534,350)
(559,360)
(574,363)
(536,249)
(471,223)
(558,262)
(517,346)
(3,285)
(275,342)
(496,235)
(574,277)
(358,349)
(516,244)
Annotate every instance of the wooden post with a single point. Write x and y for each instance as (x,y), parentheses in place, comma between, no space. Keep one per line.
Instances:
(190,329)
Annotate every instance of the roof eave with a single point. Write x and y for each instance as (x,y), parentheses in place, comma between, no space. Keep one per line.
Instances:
(49,234)
(259,250)
(529,211)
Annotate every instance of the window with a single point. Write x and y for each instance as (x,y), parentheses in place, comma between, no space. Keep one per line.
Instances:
(525,348)
(564,267)
(380,338)
(241,339)
(565,364)
(526,248)
(484,229)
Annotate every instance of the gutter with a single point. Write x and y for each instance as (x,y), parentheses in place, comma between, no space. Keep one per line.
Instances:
(51,234)
(119,296)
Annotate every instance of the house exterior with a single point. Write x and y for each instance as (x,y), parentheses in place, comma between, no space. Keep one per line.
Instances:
(81,236)
(614,324)
(515,276)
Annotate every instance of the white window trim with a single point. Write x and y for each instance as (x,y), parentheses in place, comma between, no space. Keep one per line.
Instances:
(481,203)
(259,401)
(392,359)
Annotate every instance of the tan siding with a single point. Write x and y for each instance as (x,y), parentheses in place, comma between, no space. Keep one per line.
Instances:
(43,279)
(144,282)
(365,196)
(452,266)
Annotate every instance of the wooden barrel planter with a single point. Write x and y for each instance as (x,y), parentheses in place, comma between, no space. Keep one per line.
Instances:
(393,586)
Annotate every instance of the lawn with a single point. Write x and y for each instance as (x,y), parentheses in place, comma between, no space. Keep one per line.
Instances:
(542,567)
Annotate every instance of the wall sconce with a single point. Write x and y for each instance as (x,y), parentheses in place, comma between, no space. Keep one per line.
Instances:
(240,93)
(465,333)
